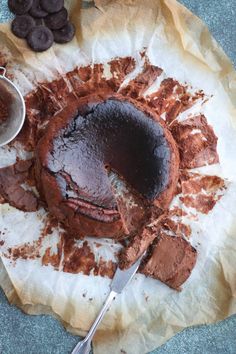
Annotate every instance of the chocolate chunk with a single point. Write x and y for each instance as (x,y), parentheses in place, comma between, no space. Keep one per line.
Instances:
(143,239)
(40,38)
(37,11)
(52,6)
(64,34)
(57,20)
(171,260)
(11,180)
(19,7)
(22,25)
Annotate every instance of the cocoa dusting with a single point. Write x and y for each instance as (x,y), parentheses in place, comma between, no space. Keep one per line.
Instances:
(105,268)
(82,260)
(194,183)
(2,243)
(4,113)
(136,87)
(25,251)
(177,228)
(98,245)
(202,203)
(11,180)
(35,249)
(68,256)
(53,259)
(196,141)
(41,105)
(78,259)
(201,192)
(172,98)
(120,69)
(176,211)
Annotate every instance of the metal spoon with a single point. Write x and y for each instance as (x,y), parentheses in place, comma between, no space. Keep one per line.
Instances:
(14,100)
(120,280)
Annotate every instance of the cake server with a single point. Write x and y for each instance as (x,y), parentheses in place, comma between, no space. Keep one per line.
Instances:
(16,117)
(120,280)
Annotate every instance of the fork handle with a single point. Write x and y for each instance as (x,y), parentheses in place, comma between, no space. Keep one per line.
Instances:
(84,346)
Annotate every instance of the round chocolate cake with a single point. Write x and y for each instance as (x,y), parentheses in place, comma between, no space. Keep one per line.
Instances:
(87,142)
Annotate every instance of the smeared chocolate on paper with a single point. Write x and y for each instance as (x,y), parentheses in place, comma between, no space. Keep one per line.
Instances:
(197,145)
(11,180)
(201,192)
(196,141)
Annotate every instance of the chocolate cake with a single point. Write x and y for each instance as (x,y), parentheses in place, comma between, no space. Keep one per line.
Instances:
(86,142)
(170,259)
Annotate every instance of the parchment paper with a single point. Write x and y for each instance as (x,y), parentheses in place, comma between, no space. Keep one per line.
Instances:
(148,312)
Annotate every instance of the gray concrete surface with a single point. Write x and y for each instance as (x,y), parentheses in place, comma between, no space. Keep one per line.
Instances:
(22,334)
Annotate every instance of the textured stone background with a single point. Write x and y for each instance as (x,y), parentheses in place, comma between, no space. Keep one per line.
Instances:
(22,334)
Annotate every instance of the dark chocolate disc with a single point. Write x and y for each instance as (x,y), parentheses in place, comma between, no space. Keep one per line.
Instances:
(19,7)
(52,6)
(57,20)
(40,38)
(22,25)
(39,21)
(64,34)
(37,11)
